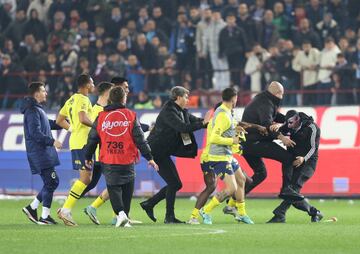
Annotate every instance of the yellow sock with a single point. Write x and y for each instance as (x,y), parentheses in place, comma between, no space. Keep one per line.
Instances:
(74,194)
(241,208)
(232,202)
(195,213)
(98,202)
(214,202)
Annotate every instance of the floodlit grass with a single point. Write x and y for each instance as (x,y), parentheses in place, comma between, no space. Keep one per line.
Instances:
(298,235)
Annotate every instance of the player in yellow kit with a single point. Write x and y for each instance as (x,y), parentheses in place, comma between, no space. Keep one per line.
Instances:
(103,92)
(220,157)
(78,110)
(209,175)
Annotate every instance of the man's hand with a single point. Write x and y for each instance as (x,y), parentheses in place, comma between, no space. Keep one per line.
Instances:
(299,160)
(239,129)
(57,144)
(89,164)
(275,127)
(263,131)
(153,164)
(236,140)
(286,141)
(207,117)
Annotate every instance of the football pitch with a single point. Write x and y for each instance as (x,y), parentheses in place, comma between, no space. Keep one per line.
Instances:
(298,235)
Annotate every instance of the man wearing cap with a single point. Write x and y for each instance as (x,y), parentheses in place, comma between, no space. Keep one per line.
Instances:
(306,134)
(172,135)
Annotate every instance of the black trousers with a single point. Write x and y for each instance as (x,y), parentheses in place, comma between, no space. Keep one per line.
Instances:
(253,154)
(120,186)
(168,172)
(298,179)
(51,182)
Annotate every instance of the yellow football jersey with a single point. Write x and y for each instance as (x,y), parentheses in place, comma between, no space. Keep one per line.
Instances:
(95,112)
(75,104)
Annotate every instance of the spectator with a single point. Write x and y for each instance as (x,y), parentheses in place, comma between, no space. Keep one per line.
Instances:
(56,37)
(64,90)
(230,8)
(151,31)
(42,8)
(35,27)
(12,84)
(343,76)
(168,78)
(233,45)
(328,59)
(259,10)
(267,32)
(101,70)
(245,22)
(306,63)
(26,46)
(271,66)
(114,22)
(122,49)
(85,51)
(328,27)
(10,50)
(84,66)
(143,101)
(314,12)
(15,29)
(52,69)
(281,21)
(116,65)
(162,22)
(254,66)
(306,34)
(135,74)
(340,12)
(221,77)
(35,60)
(68,56)
(84,32)
(143,18)
(157,102)
(355,61)
(125,36)
(96,10)
(5,15)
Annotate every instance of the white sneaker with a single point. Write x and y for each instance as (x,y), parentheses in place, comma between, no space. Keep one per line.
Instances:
(66,217)
(121,219)
(128,225)
(193,221)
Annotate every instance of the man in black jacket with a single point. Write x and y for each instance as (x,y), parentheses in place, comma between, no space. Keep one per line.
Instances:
(306,134)
(263,110)
(172,135)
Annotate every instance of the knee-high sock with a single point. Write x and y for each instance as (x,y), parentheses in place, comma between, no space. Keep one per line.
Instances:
(75,193)
(214,202)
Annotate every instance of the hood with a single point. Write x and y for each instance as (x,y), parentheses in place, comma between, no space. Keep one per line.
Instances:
(273,98)
(28,102)
(305,119)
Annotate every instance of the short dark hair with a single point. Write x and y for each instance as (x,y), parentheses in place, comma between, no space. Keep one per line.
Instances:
(35,87)
(103,87)
(118,80)
(117,94)
(83,80)
(228,94)
(306,42)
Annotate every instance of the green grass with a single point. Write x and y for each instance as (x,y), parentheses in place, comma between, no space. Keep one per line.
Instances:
(298,235)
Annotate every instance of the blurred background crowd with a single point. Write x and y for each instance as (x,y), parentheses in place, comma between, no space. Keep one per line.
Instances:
(312,47)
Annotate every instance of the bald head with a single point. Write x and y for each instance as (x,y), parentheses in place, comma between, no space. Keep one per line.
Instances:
(276,89)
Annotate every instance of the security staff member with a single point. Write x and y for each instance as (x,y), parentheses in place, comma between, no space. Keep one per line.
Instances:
(119,134)
(172,135)
(306,135)
(263,110)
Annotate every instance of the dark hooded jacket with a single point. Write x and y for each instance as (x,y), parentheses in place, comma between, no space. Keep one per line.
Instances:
(307,138)
(262,110)
(39,141)
(165,138)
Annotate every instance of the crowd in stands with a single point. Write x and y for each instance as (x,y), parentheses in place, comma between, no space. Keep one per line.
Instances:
(312,46)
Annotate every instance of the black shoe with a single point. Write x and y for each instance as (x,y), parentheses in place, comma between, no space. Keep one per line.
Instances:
(31,214)
(173,220)
(290,194)
(317,217)
(277,219)
(49,221)
(149,210)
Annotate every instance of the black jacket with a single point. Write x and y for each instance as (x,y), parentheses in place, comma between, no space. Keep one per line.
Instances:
(137,134)
(165,138)
(307,138)
(39,141)
(262,110)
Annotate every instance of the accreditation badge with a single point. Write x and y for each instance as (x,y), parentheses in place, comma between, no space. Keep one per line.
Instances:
(186,138)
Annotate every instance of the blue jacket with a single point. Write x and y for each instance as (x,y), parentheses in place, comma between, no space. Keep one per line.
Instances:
(38,138)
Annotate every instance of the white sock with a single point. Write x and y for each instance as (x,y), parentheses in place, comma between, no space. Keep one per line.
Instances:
(34,205)
(45,212)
